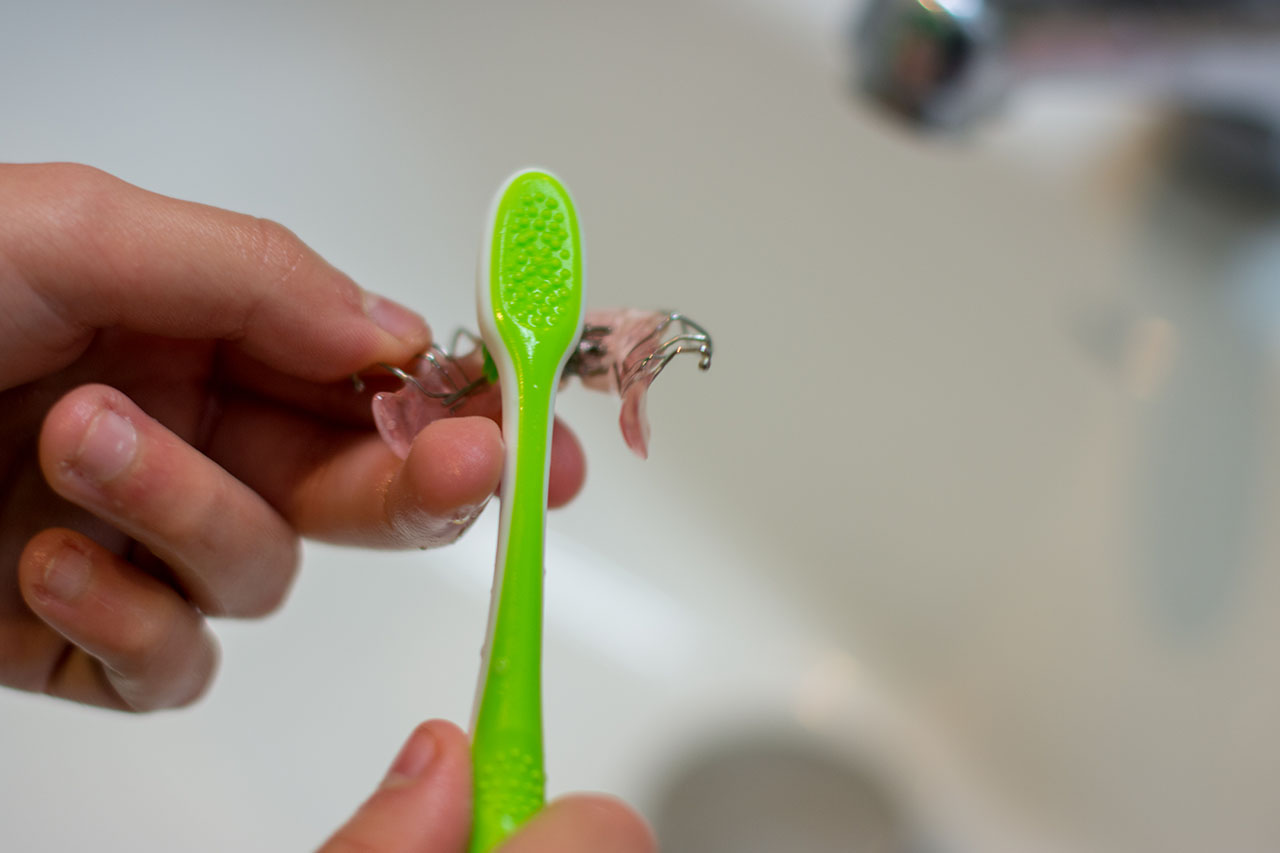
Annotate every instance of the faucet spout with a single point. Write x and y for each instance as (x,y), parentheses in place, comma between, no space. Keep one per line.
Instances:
(946,64)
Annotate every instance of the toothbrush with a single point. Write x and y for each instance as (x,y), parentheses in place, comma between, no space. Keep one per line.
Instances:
(529,301)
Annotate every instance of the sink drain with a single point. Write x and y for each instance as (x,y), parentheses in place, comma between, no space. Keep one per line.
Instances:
(772,795)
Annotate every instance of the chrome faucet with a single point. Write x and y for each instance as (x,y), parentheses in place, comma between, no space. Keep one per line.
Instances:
(944,65)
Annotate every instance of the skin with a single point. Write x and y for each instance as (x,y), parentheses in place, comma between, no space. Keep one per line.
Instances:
(176,412)
(424,806)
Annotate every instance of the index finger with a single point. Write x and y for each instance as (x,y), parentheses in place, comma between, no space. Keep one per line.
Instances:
(81,250)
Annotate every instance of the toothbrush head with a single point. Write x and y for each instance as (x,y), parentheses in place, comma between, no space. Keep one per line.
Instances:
(535,266)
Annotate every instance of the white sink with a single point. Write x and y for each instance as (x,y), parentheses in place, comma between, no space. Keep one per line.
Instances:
(965,529)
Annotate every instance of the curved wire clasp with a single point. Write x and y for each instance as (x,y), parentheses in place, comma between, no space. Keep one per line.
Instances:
(688,337)
(447,381)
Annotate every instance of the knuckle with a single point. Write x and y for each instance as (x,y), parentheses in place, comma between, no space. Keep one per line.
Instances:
(177,522)
(284,258)
(138,642)
(250,584)
(149,502)
(76,180)
(200,675)
(174,673)
(263,602)
(278,254)
(270,587)
(82,197)
(279,251)
(62,208)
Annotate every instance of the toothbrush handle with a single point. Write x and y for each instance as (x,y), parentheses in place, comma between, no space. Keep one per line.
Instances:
(507,753)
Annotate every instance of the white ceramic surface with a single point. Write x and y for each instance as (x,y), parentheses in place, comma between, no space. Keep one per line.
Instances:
(976,493)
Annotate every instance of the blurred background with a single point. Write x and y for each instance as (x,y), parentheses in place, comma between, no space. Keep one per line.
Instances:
(963,544)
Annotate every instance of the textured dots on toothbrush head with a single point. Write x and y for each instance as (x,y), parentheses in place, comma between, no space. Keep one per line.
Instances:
(535,252)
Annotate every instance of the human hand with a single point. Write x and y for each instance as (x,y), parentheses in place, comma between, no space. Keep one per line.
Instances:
(424,806)
(175,411)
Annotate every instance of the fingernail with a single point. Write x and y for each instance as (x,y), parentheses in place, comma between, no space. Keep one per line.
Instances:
(395,318)
(108,446)
(414,759)
(66,576)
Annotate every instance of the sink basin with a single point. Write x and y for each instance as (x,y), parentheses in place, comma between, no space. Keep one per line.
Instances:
(965,532)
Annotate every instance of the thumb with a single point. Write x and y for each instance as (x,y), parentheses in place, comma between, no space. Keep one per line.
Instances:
(424,803)
(583,823)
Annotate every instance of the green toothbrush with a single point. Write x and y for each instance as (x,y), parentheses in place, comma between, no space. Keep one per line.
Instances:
(529,302)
